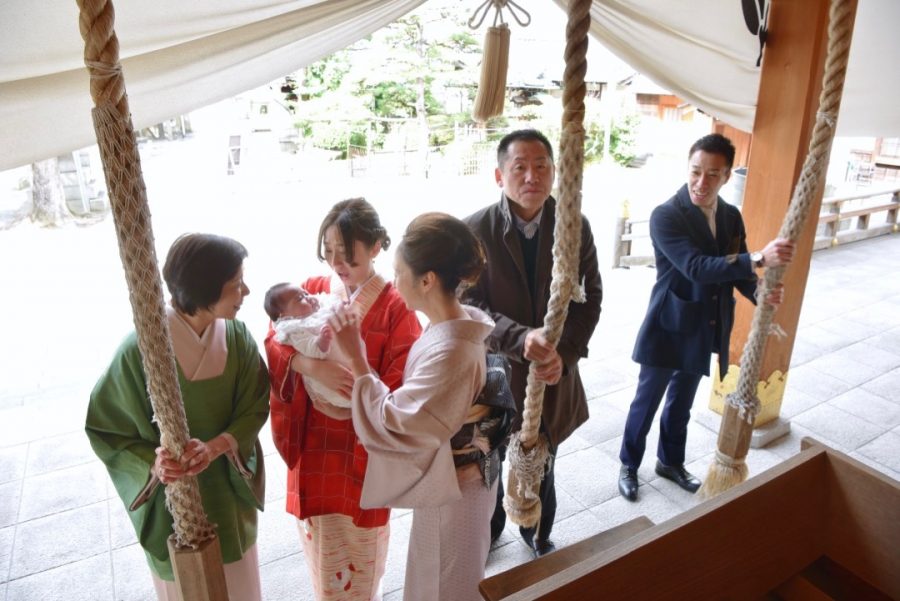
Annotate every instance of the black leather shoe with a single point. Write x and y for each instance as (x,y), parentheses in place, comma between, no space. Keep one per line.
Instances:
(628,482)
(542,547)
(678,475)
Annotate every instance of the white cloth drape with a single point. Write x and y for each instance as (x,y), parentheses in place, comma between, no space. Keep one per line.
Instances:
(178,56)
(701,51)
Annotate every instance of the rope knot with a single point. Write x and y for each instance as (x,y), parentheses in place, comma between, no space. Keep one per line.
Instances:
(728,461)
(827,118)
(777,331)
(748,407)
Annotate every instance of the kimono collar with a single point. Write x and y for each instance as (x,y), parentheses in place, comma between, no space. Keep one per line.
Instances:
(364,296)
(475,327)
(200,357)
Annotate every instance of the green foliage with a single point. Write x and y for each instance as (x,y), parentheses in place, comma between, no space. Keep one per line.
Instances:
(334,135)
(621,140)
(324,76)
(422,60)
(463,41)
(442,127)
(392,99)
(397,99)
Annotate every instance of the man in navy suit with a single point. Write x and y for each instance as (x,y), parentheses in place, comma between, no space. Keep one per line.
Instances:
(701,257)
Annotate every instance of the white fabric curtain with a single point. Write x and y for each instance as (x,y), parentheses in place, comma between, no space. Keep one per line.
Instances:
(703,52)
(176,56)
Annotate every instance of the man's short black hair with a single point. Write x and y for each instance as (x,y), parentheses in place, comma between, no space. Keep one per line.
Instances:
(531,135)
(715,144)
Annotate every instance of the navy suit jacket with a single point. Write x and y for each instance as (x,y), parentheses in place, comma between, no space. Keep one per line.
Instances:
(691,310)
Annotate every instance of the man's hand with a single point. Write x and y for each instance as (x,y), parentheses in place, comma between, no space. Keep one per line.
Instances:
(537,348)
(548,363)
(778,252)
(550,372)
(775,296)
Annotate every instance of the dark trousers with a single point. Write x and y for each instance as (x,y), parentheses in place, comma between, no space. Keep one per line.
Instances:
(547,494)
(652,385)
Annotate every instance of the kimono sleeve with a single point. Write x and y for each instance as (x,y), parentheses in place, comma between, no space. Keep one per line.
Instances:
(407,431)
(288,414)
(121,433)
(251,393)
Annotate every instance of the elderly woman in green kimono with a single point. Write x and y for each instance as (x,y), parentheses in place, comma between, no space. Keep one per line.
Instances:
(225,388)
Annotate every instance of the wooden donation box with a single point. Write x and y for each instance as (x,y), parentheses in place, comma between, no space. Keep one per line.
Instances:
(818,526)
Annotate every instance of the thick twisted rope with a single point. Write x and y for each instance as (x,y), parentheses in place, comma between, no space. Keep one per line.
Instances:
(744,398)
(565,285)
(528,452)
(743,405)
(131,214)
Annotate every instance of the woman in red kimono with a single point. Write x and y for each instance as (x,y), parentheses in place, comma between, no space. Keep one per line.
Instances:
(345,546)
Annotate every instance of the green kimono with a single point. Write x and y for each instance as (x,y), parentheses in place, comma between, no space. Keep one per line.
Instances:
(122,433)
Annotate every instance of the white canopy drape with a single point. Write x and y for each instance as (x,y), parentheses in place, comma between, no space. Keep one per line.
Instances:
(702,51)
(178,56)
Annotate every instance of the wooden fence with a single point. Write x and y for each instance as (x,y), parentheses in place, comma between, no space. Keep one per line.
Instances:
(842,219)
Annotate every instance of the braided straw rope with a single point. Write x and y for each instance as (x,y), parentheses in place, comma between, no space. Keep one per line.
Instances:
(839,33)
(128,196)
(724,473)
(525,452)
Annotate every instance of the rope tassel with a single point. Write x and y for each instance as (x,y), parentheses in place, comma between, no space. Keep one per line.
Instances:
(494,65)
(526,470)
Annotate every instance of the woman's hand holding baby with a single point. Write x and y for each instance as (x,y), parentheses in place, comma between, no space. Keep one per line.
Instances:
(344,322)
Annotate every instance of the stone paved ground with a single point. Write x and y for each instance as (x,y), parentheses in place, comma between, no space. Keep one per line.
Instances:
(65,535)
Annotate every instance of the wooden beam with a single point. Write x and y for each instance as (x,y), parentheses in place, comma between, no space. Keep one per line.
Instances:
(740,544)
(790,84)
(863,527)
(504,584)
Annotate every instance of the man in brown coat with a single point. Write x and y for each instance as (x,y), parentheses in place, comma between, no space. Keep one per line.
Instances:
(517,233)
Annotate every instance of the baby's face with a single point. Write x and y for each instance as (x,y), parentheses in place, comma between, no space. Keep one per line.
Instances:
(297,302)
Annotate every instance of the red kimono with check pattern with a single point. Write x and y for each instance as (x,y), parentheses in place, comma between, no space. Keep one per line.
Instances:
(326,462)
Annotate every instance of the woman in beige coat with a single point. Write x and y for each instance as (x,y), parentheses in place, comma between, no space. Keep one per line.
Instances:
(407,432)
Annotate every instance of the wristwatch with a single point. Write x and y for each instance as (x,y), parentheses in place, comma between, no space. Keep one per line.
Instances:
(758,260)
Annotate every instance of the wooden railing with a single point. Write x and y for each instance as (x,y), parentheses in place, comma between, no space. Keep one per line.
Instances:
(842,219)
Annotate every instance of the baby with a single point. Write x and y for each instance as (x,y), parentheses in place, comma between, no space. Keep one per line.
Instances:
(298,319)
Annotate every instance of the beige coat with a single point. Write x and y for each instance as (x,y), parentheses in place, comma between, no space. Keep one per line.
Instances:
(407,432)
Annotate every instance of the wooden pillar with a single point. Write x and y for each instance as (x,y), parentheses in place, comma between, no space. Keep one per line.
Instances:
(740,138)
(790,84)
